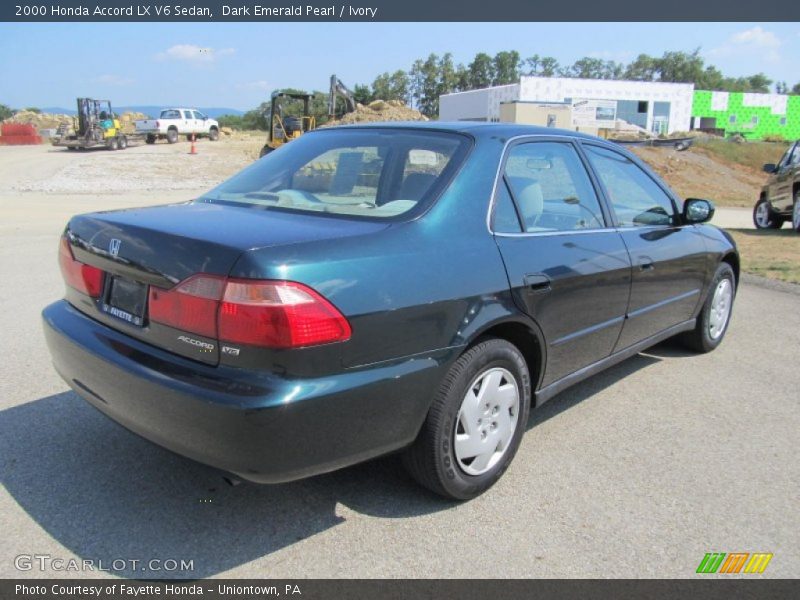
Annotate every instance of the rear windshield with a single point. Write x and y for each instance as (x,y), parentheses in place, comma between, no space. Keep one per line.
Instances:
(380,173)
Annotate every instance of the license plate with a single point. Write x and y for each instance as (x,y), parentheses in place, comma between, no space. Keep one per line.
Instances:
(126,300)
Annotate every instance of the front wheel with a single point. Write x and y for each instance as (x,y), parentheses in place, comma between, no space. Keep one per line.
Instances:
(475,423)
(213,134)
(763,217)
(712,322)
(172,136)
(796,212)
(112,144)
(123,142)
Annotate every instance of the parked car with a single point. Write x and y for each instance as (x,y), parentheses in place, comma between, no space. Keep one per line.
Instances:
(372,289)
(780,198)
(174,122)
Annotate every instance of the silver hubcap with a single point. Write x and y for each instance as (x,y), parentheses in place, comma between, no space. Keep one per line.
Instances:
(486,421)
(796,215)
(762,214)
(720,309)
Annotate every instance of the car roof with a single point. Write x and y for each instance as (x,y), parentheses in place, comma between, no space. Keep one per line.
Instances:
(474,128)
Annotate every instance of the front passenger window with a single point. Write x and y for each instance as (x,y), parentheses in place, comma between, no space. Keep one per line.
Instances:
(637,199)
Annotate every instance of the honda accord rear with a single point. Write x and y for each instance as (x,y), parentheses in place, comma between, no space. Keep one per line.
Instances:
(249,329)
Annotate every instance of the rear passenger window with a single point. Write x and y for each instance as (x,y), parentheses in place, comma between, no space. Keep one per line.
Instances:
(504,217)
(637,199)
(551,188)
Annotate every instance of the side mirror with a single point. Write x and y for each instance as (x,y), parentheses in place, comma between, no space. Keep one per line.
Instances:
(697,210)
(770,168)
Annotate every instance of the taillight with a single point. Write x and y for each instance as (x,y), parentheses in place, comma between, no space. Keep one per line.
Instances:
(84,278)
(190,306)
(278,314)
(272,314)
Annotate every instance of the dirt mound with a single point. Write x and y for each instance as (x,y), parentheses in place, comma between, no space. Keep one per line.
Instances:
(377,111)
(54,120)
(697,174)
(39,120)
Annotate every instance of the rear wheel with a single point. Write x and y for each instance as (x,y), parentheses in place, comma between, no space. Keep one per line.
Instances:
(475,423)
(712,322)
(123,142)
(150,139)
(172,136)
(112,144)
(796,212)
(763,217)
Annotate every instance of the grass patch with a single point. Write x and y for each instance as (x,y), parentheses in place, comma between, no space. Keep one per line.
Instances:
(750,154)
(773,253)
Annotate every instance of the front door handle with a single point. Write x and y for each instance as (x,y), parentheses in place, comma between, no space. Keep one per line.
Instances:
(646,264)
(537,282)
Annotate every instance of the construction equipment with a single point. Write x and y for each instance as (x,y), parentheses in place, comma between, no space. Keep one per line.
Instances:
(95,125)
(340,90)
(282,128)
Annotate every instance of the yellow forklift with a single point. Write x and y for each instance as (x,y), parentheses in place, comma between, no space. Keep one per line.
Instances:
(282,128)
(95,125)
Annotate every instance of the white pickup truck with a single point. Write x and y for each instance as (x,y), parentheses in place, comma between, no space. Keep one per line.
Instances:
(173,122)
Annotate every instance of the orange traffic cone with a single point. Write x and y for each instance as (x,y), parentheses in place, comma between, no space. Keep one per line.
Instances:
(194,149)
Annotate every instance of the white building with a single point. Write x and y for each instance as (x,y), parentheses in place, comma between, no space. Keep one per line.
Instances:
(656,106)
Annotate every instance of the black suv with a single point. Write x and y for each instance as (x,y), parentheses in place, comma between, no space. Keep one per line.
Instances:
(780,199)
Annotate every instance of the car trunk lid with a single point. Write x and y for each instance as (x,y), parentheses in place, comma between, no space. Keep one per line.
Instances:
(145,250)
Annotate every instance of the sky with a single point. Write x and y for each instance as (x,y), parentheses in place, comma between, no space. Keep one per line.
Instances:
(236,65)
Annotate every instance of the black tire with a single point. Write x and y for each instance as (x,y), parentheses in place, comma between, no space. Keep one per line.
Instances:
(122,142)
(761,211)
(150,139)
(796,212)
(700,338)
(213,134)
(431,459)
(112,144)
(265,150)
(172,135)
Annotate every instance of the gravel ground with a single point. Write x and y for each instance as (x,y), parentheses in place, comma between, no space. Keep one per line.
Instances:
(637,472)
(161,167)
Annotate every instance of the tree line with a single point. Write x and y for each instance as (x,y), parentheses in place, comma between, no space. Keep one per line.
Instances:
(429,78)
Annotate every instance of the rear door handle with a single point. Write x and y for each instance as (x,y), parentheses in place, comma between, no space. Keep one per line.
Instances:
(646,264)
(537,282)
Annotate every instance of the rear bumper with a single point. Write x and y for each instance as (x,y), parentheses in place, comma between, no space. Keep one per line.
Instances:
(258,425)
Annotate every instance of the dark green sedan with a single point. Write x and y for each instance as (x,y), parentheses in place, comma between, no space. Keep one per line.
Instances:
(373,289)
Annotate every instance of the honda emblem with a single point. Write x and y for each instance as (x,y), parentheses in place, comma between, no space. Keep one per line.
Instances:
(113,246)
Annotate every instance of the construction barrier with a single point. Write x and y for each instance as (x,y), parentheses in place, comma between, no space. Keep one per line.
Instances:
(17,134)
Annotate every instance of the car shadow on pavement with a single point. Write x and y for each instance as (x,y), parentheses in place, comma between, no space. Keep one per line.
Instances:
(589,387)
(106,494)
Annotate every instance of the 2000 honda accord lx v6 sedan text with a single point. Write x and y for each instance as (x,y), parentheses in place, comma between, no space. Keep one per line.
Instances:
(370,289)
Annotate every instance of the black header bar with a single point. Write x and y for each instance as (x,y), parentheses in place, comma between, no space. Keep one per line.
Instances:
(399,10)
